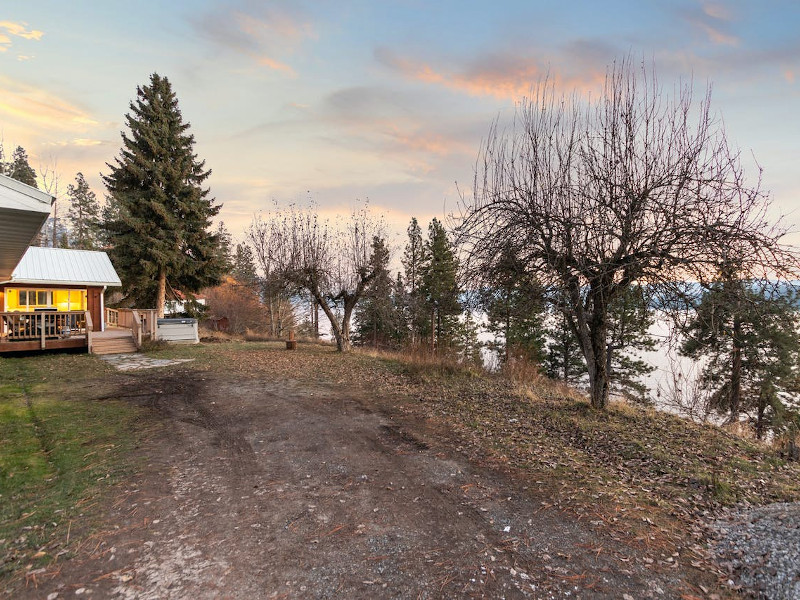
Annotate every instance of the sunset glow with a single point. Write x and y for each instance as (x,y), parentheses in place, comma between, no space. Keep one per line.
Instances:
(381,101)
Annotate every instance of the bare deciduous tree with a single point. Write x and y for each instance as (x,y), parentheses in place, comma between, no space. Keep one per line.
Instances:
(265,239)
(595,195)
(329,260)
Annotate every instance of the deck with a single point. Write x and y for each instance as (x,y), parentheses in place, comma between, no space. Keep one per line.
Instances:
(52,330)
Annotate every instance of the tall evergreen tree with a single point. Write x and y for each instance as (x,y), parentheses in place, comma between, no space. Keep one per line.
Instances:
(160,233)
(514,304)
(748,333)
(244,265)
(83,214)
(439,286)
(375,313)
(400,306)
(20,169)
(413,260)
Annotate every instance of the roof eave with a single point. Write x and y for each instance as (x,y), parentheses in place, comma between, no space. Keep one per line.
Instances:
(32,282)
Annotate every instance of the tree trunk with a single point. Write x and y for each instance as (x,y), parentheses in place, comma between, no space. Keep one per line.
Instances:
(762,406)
(316,320)
(598,375)
(598,346)
(736,371)
(161,293)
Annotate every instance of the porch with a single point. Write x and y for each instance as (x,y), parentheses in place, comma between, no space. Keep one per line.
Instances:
(125,330)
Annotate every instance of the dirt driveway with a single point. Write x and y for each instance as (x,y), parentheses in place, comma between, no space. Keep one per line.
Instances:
(295,489)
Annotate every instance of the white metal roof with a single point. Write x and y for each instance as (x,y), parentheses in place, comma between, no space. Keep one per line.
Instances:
(23,211)
(60,266)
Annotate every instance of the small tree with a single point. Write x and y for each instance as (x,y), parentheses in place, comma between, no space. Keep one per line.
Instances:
(160,214)
(598,195)
(630,318)
(331,261)
(563,358)
(83,214)
(266,238)
(239,304)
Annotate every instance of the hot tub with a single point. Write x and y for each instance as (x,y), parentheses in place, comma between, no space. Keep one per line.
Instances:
(177,331)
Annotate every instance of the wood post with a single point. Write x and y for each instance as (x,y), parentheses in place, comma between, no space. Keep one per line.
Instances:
(291,343)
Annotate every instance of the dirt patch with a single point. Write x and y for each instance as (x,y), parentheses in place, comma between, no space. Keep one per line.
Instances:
(302,489)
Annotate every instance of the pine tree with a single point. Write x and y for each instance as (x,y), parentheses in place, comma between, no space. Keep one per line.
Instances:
(629,321)
(83,214)
(225,242)
(439,287)
(375,314)
(20,169)
(244,265)
(748,333)
(466,342)
(563,358)
(514,306)
(160,212)
(413,259)
(400,307)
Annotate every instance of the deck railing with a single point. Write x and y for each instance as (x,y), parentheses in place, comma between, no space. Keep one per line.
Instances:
(112,317)
(40,325)
(141,321)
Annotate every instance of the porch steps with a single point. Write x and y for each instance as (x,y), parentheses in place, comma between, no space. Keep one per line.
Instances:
(114,345)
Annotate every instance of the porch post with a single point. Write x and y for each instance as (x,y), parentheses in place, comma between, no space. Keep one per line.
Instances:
(103,309)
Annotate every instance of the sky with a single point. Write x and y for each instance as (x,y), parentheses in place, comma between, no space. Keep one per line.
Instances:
(386,101)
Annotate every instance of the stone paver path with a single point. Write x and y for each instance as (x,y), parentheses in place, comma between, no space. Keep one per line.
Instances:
(136,362)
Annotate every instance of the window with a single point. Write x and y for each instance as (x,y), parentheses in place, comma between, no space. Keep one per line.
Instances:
(32,299)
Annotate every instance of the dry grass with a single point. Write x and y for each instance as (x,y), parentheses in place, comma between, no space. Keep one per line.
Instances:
(651,476)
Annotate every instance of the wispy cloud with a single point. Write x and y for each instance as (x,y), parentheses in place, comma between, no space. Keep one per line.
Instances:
(10,28)
(501,75)
(712,19)
(261,32)
(41,107)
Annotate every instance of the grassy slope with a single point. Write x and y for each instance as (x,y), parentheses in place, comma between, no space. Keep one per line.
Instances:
(59,450)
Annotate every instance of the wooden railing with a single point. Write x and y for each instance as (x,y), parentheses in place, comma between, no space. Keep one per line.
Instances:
(149,319)
(112,317)
(89,332)
(21,326)
(142,321)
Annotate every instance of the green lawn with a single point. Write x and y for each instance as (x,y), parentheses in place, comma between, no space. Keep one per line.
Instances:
(60,448)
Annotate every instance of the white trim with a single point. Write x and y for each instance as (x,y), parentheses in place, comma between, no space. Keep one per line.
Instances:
(102,309)
(33,199)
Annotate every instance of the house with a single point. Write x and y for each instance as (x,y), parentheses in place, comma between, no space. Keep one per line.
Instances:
(23,211)
(49,297)
(179,303)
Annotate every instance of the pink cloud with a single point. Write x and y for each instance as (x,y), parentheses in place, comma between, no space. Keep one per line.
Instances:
(264,34)
(499,76)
